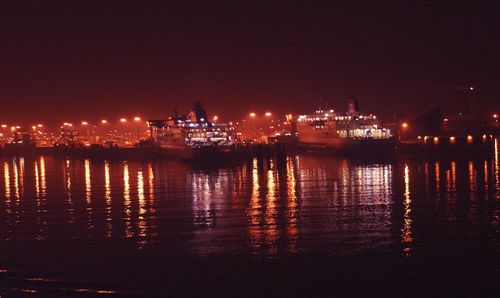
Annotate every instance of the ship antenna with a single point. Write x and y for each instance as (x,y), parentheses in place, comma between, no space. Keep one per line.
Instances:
(175,109)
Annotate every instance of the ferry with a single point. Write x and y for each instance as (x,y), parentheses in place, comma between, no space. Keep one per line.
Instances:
(193,136)
(349,132)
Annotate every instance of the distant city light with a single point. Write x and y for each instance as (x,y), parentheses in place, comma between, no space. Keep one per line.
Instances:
(436,140)
(216,118)
(104,121)
(495,116)
(123,120)
(469,139)
(404,125)
(252,114)
(39,125)
(84,123)
(4,125)
(452,140)
(268,114)
(471,88)
(445,119)
(137,118)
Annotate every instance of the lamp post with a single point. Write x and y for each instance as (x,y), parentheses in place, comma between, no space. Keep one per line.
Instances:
(404,128)
(137,119)
(86,125)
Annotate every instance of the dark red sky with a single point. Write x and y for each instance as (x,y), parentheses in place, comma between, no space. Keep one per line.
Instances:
(91,59)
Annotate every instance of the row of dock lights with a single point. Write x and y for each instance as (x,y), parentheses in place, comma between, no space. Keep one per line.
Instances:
(453,139)
(5,126)
(267,114)
(103,121)
(68,124)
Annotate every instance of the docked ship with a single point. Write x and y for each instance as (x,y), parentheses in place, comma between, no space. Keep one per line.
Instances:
(349,132)
(192,136)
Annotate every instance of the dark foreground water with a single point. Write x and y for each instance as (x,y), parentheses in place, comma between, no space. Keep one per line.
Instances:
(304,226)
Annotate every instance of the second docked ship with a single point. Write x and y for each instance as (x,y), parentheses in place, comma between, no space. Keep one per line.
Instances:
(350,132)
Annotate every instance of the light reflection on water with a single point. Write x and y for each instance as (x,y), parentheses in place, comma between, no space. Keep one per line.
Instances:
(107,198)
(262,208)
(406,233)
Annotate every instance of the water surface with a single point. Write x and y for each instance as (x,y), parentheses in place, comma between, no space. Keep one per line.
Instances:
(302,223)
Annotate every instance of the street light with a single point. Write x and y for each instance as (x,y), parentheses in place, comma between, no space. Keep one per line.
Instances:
(104,121)
(252,115)
(85,123)
(137,119)
(402,133)
(123,120)
(268,114)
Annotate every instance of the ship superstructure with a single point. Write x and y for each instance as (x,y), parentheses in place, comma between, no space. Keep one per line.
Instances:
(191,134)
(328,128)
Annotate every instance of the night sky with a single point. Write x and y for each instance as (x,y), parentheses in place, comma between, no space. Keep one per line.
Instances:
(74,60)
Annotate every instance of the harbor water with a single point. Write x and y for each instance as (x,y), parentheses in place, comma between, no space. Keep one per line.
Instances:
(303,225)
